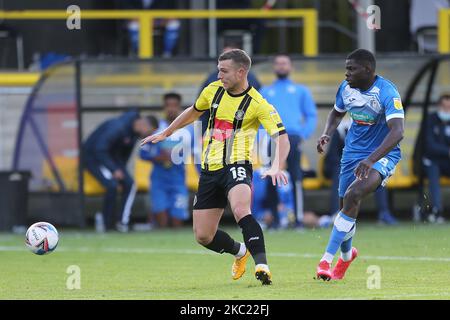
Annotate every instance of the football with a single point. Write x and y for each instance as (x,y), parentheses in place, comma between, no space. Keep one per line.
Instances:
(41,238)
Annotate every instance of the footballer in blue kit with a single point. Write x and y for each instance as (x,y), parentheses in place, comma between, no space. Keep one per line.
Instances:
(370,154)
(168,192)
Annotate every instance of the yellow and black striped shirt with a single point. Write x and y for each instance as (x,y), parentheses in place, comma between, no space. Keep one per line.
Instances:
(233,124)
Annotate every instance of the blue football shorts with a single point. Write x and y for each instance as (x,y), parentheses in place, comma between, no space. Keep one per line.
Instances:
(171,198)
(385,166)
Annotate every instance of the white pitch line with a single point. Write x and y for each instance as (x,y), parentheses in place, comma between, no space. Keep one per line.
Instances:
(202,252)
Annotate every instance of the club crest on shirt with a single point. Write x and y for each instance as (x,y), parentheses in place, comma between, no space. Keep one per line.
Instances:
(374,105)
(239,115)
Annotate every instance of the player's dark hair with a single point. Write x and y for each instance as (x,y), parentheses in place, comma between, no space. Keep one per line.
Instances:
(363,57)
(443,97)
(238,56)
(281,54)
(153,121)
(172,95)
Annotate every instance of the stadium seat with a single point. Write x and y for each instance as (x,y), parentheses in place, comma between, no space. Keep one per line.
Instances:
(91,186)
(68,171)
(143,168)
(445,181)
(312,183)
(400,180)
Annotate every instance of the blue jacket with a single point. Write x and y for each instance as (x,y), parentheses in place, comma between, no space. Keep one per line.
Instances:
(295,105)
(437,135)
(112,142)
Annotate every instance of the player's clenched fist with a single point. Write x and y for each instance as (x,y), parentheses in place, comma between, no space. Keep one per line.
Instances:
(323,140)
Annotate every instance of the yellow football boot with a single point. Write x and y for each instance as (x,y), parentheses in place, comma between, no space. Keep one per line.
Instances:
(238,268)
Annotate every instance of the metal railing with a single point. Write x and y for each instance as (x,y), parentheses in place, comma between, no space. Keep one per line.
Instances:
(146,17)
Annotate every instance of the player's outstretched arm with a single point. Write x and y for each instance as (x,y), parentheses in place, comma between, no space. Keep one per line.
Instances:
(333,120)
(281,152)
(395,135)
(186,117)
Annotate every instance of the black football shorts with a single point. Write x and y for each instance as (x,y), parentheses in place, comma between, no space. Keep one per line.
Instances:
(214,186)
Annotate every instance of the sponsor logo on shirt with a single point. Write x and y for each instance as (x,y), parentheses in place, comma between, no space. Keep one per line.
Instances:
(362,118)
(222,129)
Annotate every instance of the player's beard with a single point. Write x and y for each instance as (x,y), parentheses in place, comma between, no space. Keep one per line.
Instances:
(282,75)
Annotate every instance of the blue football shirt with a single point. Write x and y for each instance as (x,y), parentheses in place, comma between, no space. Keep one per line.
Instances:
(178,146)
(370,111)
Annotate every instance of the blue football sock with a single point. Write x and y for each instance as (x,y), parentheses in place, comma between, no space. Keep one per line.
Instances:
(346,245)
(342,226)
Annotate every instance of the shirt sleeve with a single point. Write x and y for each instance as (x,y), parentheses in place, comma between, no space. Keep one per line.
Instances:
(392,103)
(149,151)
(270,120)
(202,103)
(339,102)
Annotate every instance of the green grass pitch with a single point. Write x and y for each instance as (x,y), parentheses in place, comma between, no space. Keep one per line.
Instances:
(413,263)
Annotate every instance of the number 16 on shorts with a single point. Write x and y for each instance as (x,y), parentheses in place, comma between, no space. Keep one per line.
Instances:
(239,173)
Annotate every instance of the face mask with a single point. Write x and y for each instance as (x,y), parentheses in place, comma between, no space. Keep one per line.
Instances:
(444,116)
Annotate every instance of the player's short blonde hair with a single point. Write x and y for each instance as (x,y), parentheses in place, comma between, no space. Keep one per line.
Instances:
(238,56)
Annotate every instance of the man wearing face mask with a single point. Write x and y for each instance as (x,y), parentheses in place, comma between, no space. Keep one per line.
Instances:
(437,154)
(298,111)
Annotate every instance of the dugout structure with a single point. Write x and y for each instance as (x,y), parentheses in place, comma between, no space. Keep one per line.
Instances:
(72,98)
(69,101)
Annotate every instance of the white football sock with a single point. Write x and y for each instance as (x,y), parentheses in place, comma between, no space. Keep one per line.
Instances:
(265,267)
(242,251)
(328,257)
(346,256)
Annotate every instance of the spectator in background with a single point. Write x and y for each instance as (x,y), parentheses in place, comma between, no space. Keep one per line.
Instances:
(298,112)
(437,154)
(252,80)
(285,208)
(260,210)
(254,26)
(105,155)
(332,168)
(171,27)
(168,192)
